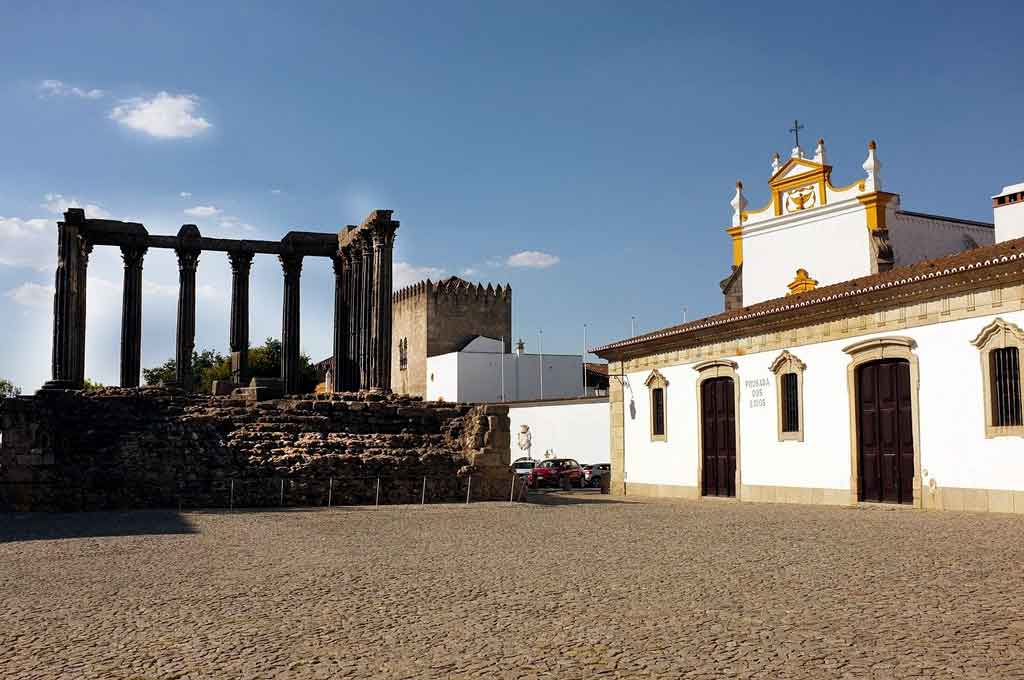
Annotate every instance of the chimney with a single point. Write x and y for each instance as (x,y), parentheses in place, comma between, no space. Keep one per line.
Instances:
(520,347)
(1008,212)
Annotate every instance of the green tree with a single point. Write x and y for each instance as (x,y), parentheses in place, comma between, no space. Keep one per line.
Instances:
(92,386)
(8,390)
(210,365)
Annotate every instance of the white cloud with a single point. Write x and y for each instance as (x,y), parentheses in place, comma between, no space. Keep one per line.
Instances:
(58,205)
(404,274)
(32,295)
(57,88)
(185,194)
(166,116)
(235,224)
(534,259)
(470,271)
(203,211)
(203,292)
(275,191)
(27,243)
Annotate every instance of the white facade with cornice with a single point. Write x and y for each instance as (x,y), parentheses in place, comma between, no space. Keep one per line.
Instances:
(834,233)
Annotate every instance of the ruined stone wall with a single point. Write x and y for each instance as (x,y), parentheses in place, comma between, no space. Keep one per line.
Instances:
(457,314)
(154,447)
(409,324)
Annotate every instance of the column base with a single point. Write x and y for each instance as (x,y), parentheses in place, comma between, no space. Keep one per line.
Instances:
(57,386)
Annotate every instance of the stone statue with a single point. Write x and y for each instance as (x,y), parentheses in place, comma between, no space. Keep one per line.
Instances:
(328,382)
(525,439)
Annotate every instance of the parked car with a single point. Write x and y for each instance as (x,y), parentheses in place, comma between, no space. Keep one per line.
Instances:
(522,466)
(562,472)
(592,474)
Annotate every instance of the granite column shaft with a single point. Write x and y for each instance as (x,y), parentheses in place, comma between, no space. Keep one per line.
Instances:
(131,315)
(290,376)
(185,343)
(238,340)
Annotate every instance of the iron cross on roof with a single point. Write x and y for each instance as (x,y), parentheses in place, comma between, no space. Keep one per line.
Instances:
(797,127)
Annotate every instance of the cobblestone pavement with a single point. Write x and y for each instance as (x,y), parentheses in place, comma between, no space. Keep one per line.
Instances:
(573,589)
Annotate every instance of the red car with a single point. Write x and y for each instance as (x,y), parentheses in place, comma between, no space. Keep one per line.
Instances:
(562,472)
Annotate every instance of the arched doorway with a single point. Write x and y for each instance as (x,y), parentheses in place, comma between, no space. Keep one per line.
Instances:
(885,432)
(718,437)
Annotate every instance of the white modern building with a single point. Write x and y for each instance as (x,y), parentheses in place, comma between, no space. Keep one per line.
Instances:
(866,354)
(561,428)
(482,372)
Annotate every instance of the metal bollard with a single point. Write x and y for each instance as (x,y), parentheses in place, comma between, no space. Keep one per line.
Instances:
(280,501)
(469,488)
(376,500)
(231,503)
(512,491)
(423,497)
(330,493)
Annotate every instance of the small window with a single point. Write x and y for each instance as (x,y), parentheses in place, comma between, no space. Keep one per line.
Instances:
(1000,344)
(657,386)
(1005,372)
(789,393)
(658,405)
(403,354)
(790,403)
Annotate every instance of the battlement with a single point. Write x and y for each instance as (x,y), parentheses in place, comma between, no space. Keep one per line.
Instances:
(454,287)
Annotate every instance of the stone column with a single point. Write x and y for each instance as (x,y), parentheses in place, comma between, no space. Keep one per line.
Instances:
(341,318)
(241,263)
(85,249)
(383,244)
(355,314)
(131,315)
(188,259)
(65,304)
(290,378)
(366,303)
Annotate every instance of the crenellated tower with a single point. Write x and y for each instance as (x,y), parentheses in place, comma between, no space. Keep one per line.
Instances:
(438,317)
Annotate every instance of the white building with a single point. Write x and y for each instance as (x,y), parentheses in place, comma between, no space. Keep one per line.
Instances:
(849,367)
(561,428)
(483,372)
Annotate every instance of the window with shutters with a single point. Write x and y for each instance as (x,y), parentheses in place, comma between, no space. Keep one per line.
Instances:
(789,394)
(657,387)
(1001,344)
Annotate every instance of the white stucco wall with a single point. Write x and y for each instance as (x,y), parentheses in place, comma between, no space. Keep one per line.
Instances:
(478,376)
(915,238)
(1009,221)
(954,451)
(831,243)
(571,429)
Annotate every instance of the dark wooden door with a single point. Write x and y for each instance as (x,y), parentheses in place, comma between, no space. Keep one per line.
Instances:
(885,432)
(718,419)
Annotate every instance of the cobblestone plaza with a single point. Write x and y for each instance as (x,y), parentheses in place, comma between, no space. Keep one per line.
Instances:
(578,586)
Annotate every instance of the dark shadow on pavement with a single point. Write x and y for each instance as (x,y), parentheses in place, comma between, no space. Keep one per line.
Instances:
(44,526)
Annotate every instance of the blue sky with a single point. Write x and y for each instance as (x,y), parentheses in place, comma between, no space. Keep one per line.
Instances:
(604,138)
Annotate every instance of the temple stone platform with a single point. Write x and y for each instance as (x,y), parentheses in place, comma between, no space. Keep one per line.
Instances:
(153,447)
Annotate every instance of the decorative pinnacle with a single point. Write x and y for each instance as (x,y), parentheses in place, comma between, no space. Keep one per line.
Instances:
(872,145)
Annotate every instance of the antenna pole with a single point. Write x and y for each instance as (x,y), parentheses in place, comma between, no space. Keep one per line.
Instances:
(540,344)
(503,368)
(583,360)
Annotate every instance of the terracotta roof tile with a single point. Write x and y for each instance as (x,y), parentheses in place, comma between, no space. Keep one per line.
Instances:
(1000,253)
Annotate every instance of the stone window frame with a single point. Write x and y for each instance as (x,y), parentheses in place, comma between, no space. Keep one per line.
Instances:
(718,368)
(657,381)
(783,364)
(998,334)
(866,351)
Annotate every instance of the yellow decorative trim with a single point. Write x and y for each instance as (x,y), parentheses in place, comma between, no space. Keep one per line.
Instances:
(859,184)
(874,205)
(736,234)
(802,283)
(816,174)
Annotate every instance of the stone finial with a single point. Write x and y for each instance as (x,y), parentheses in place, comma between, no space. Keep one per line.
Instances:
(872,167)
(776,162)
(739,204)
(797,152)
(819,151)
